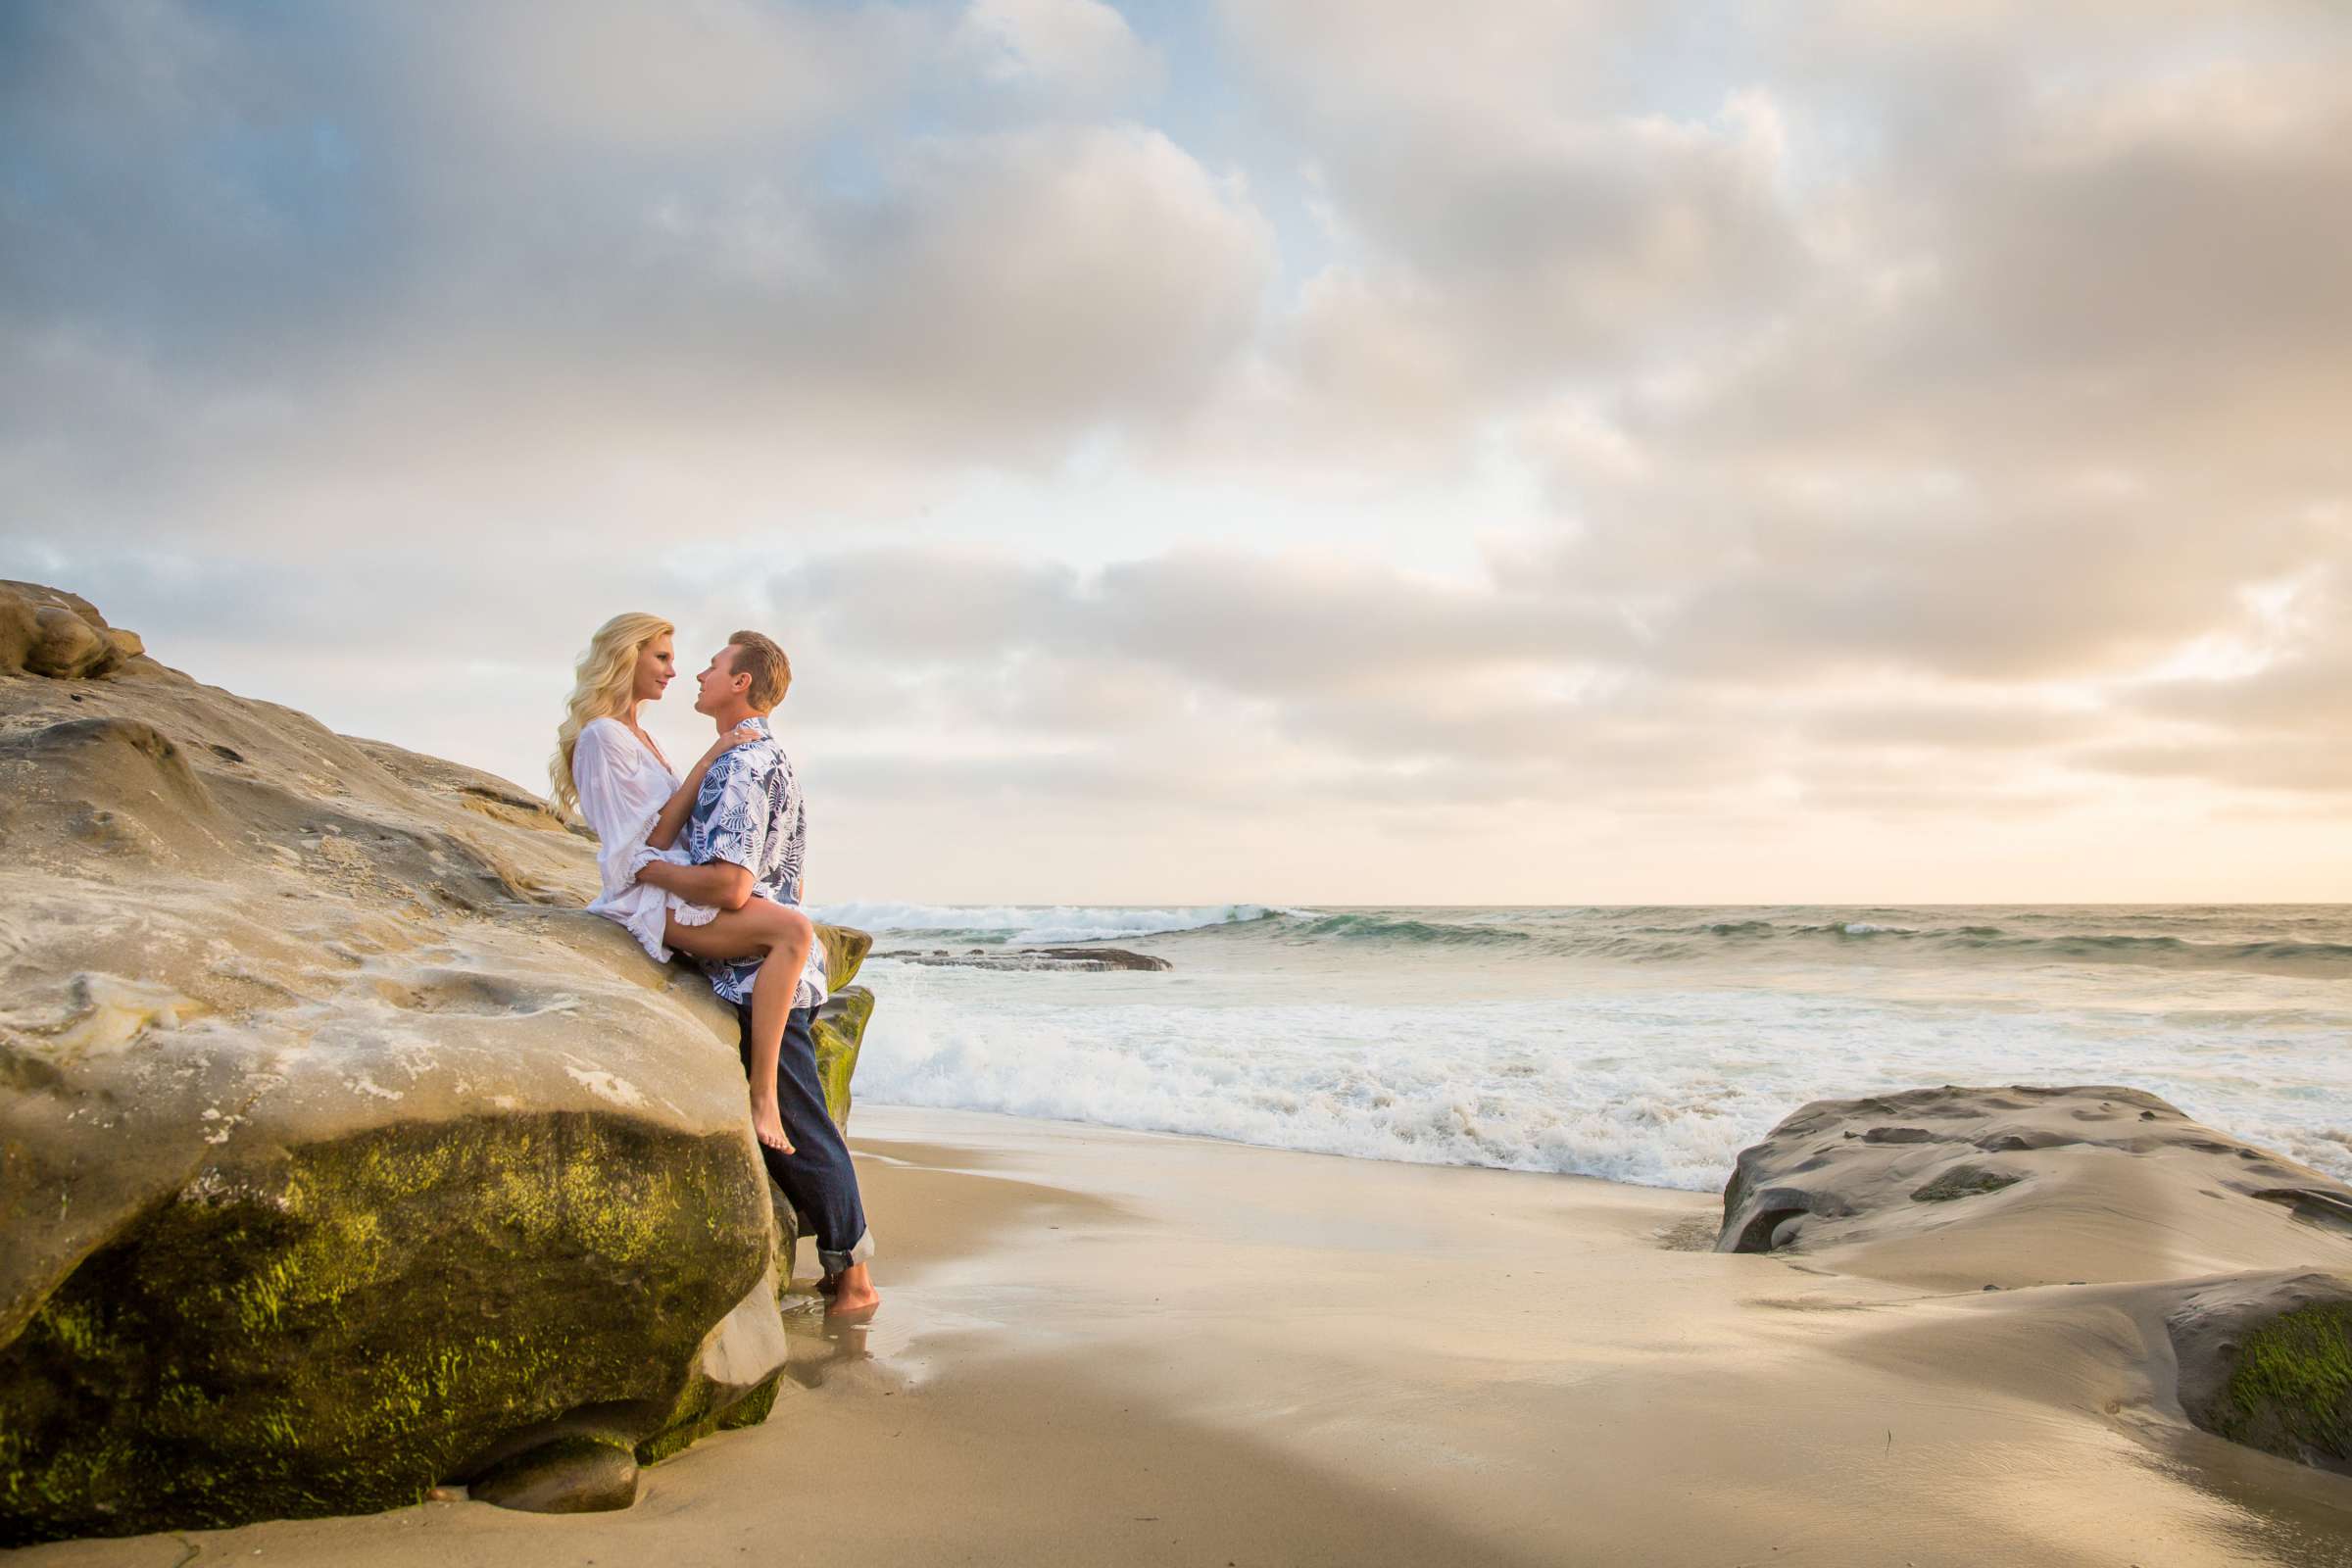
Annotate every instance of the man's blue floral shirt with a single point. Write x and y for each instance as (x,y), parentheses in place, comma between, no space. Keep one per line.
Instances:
(750,813)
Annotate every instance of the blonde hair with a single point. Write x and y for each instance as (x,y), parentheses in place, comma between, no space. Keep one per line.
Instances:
(604,686)
(760,659)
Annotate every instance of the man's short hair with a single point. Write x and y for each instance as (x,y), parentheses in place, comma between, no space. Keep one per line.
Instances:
(760,659)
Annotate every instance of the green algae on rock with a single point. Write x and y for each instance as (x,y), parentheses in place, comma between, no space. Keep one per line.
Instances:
(2293,1385)
(838,1030)
(846,948)
(336,1329)
(2266,1360)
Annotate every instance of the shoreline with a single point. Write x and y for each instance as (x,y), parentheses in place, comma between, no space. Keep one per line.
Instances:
(1098,1345)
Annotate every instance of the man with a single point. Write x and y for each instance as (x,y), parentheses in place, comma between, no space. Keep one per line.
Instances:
(748,836)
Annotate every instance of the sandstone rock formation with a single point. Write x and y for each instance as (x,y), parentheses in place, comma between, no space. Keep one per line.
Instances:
(341,1153)
(47,631)
(2237,1258)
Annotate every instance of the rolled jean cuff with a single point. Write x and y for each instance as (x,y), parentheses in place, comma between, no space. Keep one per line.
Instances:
(835,1262)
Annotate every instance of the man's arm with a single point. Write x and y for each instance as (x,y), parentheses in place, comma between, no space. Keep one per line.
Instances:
(722,883)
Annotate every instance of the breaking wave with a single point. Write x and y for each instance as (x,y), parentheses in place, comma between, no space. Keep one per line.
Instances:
(2308,943)
(1646,1044)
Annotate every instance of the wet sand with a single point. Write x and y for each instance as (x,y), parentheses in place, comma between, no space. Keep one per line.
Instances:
(1103,1347)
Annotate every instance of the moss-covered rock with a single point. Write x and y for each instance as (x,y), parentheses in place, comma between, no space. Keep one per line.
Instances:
(2267,1360)
(340,1327)
(846,948)
(2292,1390)
(838,1030)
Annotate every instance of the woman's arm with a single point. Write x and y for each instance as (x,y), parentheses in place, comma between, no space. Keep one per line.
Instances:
(680,805)
(596,769)
(591,780)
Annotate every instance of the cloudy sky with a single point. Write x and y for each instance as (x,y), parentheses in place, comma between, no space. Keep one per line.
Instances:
(1535,450)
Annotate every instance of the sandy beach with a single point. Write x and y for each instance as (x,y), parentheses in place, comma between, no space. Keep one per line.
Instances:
(1102,1345)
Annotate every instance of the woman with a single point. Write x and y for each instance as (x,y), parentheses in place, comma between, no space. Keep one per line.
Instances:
(609,768)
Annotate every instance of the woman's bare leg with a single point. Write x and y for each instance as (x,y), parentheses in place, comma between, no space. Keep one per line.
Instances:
(784,934)
(771,1003)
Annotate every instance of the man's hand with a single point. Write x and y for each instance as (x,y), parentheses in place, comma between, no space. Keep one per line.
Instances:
(722,883)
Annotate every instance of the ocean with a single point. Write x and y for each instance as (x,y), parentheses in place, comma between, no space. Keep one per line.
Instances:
(1640,1045)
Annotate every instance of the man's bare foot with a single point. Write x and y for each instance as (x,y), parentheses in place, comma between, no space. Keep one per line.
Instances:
(854,1292)
(770,1125)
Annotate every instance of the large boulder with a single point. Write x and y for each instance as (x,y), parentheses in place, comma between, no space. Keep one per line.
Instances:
(341,1153)
(1959,1188)
(2241,1259)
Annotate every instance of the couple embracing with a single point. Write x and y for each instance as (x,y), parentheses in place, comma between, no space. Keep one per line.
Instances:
(710,864)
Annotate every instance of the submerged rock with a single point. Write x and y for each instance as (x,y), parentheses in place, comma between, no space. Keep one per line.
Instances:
(342,1153)
(1097,960)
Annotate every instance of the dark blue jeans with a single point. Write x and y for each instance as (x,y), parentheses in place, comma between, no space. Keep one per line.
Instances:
(816,1176)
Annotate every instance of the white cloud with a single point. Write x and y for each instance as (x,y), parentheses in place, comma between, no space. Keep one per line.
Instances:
(1821,422)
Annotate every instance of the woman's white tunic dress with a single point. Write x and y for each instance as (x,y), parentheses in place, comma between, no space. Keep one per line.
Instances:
(622,787)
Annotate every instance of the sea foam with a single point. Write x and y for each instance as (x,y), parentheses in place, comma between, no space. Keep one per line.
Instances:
(1284,1029)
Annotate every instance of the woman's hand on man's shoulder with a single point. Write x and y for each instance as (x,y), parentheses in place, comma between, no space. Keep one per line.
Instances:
(739,735)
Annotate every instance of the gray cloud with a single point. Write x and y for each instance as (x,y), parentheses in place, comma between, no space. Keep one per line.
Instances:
(334,274)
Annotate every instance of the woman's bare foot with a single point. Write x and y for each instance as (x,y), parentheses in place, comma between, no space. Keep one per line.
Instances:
(770,1125)
(852,1292)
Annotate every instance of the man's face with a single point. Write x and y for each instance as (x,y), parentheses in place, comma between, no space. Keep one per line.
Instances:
(718,684)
